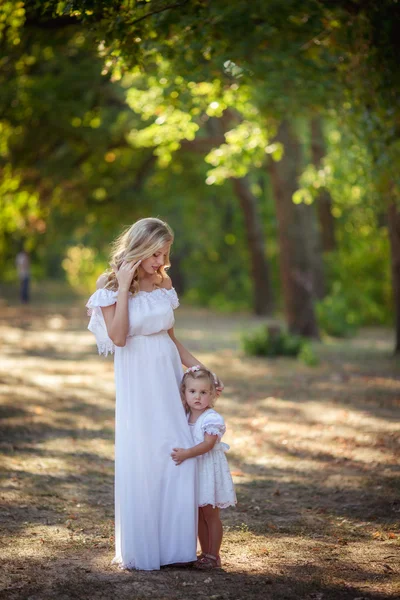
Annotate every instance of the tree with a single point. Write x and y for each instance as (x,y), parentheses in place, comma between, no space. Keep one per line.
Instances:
(317,55)
(296,234)
(323,199)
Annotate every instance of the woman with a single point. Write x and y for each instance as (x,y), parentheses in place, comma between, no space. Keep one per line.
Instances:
(132,312)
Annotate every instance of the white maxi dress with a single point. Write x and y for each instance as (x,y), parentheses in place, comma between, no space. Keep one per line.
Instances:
(155,501)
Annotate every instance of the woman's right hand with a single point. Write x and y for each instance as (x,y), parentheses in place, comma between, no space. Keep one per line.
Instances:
(125,274)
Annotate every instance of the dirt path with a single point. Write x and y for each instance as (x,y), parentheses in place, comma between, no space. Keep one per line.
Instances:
(313,453)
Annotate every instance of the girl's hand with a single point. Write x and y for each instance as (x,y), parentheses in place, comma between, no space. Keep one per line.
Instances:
(125,274)
(178,455)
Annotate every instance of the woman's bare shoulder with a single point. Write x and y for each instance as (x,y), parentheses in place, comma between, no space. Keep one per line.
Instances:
(165,283)
(101,282)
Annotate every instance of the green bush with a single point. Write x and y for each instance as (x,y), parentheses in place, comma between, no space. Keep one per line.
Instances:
(308,356)
(271,342)
(359,279)
(336,317)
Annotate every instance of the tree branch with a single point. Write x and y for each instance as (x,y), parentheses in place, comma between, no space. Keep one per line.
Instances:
(56,22)
(53,23)
(159,10)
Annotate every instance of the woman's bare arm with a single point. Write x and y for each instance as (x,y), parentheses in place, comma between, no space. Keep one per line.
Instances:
(117,319)
(117,316)
(187,359)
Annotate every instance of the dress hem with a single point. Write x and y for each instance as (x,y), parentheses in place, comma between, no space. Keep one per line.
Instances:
(131,567)
(218,504)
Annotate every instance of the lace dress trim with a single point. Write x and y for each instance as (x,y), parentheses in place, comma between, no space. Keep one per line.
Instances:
(214,429)
(97,324)
(100,298)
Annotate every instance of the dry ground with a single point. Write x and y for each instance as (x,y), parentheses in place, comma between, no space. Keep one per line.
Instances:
(313,453)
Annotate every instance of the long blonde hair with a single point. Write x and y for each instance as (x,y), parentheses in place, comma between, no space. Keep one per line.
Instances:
(140,241)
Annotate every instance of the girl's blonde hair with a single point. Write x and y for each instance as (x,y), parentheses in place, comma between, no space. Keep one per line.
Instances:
(199,373)
(140,241)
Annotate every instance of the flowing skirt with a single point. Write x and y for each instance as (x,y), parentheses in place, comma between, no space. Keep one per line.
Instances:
(155,500)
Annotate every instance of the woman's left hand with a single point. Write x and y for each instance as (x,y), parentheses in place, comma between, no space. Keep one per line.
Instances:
(219,386)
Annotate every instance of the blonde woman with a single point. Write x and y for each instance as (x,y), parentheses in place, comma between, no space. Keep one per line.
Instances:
(132,314)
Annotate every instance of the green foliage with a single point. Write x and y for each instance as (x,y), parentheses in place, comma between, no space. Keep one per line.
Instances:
(210,251)
(12,18)
(106,120)
(335,317)
(271,342)
(81,267)
(308,356)
(359,274)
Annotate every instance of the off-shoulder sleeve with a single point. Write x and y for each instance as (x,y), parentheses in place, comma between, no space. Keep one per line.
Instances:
(214,424)
(97,324)
(172,297)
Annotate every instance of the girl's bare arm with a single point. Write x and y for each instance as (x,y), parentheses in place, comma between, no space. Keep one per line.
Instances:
(181,454)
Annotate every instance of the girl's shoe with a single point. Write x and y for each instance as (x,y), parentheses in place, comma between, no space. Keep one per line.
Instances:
(203,554)
(206,562)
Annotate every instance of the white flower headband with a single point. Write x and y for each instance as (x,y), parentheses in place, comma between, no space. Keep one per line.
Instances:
(197,368)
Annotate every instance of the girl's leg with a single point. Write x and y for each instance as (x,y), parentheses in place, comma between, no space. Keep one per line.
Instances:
(214,526)
(203,532)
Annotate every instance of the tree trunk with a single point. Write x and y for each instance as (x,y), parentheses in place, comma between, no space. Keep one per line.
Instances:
(323,207)
(262,289)
(324,200)
(394,235)
(297,231)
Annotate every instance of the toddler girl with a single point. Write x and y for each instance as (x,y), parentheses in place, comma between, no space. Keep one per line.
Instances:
(198,391)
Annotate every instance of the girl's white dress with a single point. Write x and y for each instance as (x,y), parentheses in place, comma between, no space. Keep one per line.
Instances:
(155,502)
(215,485)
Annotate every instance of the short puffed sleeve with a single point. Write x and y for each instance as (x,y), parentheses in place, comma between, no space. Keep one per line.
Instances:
(97,324)
(213,424)
(172,296)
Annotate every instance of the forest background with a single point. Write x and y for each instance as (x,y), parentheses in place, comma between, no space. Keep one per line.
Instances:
(267,135)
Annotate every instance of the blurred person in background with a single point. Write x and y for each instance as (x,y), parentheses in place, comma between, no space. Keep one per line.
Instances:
(23,265)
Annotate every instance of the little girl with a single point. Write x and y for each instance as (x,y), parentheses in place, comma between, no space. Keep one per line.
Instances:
(198,391)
